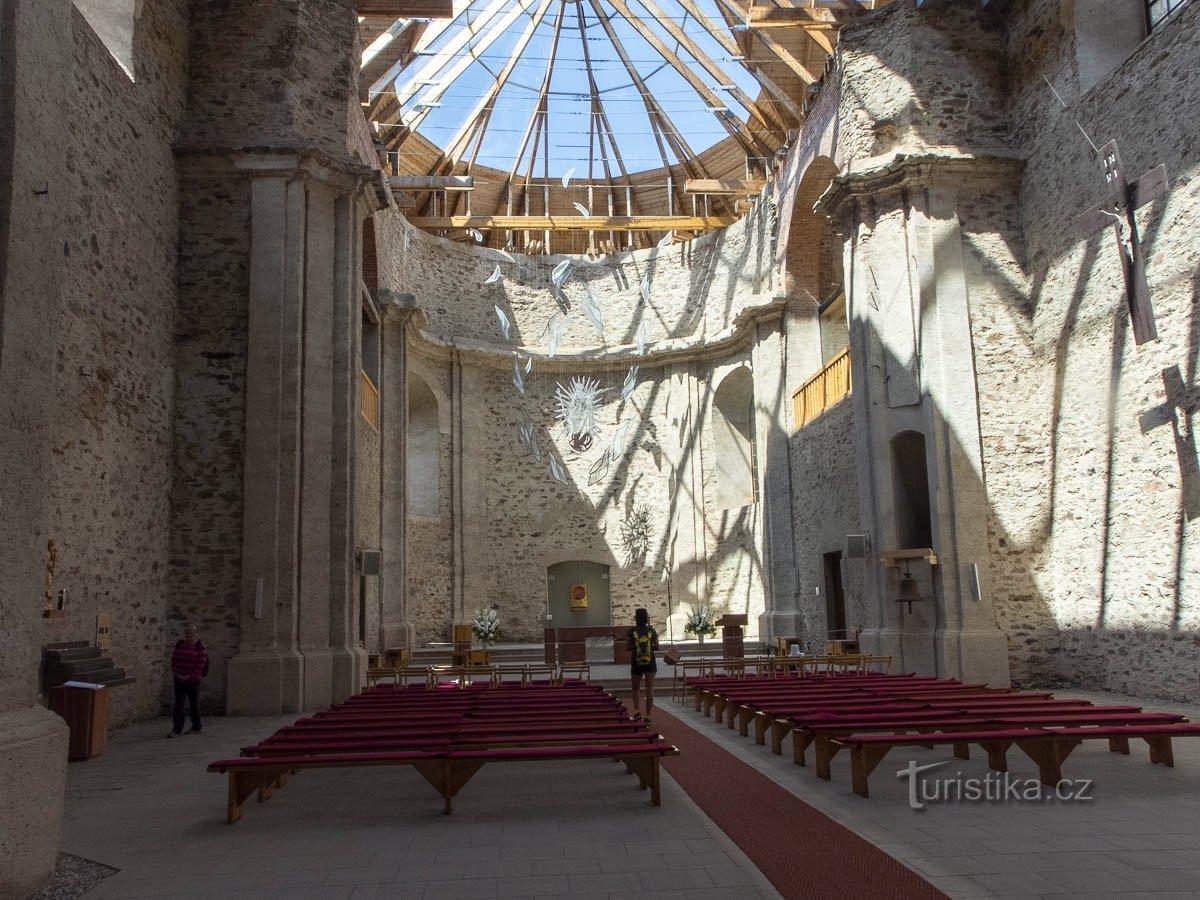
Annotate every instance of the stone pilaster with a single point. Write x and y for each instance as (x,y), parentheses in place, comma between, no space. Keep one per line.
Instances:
(395,312)
(913,371)
(772,427)
(297,637)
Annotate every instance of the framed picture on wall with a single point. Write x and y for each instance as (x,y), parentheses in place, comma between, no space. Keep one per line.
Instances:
(579,596)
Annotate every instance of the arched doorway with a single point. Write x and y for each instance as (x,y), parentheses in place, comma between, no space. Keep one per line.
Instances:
(593,577)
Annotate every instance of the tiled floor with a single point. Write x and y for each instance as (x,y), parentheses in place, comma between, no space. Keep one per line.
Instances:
(148,807)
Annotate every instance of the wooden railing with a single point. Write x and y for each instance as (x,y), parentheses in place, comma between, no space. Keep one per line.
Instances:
(369,402)
(825,389)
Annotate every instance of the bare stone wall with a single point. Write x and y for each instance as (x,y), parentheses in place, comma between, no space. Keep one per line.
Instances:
(273,73)
(696,288)
(1122,498)
(913,78)
(111,455)
(825,507)
(211,349)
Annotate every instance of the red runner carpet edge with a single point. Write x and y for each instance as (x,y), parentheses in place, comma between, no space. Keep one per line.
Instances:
(801,851)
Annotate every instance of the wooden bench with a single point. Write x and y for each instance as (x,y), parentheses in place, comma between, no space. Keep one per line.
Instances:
(1047,747)
(448,770)
(824,736)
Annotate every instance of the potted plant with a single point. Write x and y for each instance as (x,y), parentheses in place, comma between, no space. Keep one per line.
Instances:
(700,623)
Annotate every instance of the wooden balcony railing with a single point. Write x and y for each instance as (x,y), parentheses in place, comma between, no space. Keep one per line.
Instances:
(825,389)
(369,402)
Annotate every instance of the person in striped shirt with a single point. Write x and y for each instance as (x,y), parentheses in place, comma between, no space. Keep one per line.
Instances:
(189,663)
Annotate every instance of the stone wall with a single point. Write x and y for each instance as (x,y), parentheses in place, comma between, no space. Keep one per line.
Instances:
(210,353)
(1121,499)
(825,507)
(111,455)
(696,288)
(913,78)
(274,73)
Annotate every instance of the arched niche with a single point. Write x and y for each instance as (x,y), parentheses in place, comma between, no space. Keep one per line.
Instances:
(424,449)
(813,262)
(910,490)
(733,439)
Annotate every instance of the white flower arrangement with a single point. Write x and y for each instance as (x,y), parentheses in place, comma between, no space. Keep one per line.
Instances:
(700,622)
(486,624)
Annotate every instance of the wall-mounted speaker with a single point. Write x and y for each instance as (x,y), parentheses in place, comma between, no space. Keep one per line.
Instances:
(370,562)
(857,546)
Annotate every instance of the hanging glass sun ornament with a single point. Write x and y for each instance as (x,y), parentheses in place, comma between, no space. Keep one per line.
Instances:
(578,407)
(494,277)
(646,287)
(583,210)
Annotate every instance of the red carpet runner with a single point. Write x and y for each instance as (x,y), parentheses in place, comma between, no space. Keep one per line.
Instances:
(803,852)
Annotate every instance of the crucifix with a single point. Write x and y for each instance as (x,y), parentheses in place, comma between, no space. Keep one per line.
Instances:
(1117,210)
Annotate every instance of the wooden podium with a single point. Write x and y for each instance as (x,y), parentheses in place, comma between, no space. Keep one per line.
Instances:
(732,631)
(85,710)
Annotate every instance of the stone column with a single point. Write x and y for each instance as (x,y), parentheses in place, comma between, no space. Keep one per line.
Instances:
(395,312)
(913,370)
(33,740)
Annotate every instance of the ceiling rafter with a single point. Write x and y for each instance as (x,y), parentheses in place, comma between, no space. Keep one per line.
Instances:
(769,124)
(380,94)
(736,129)
(730,46)
(445,58)
(735,15)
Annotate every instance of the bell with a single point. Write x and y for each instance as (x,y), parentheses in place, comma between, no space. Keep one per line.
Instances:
(908,591)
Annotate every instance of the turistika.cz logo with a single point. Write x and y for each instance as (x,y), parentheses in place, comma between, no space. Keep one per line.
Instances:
(995,787)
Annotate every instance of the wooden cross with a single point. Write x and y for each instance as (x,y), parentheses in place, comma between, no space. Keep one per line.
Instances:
(1117,210)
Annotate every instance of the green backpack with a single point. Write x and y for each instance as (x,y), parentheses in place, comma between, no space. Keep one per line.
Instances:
(642,644)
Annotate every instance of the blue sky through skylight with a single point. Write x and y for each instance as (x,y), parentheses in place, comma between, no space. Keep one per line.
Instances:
(570,118)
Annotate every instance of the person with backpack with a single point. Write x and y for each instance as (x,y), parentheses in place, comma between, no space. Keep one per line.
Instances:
(189,663)
(642,642)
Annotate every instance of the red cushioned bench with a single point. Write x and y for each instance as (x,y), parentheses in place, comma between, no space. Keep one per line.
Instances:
(1047,747)
(447,770)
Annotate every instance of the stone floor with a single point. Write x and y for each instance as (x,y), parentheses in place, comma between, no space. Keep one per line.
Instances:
(148,808)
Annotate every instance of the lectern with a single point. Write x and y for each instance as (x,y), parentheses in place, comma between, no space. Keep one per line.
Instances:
(732,630)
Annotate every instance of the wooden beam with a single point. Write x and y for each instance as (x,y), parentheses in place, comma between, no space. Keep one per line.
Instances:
(774,17)
(406,9)
(432,182)
(576,223)
(723,186)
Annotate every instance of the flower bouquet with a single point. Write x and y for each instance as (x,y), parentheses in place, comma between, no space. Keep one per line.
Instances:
(700,623)
(486,625)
